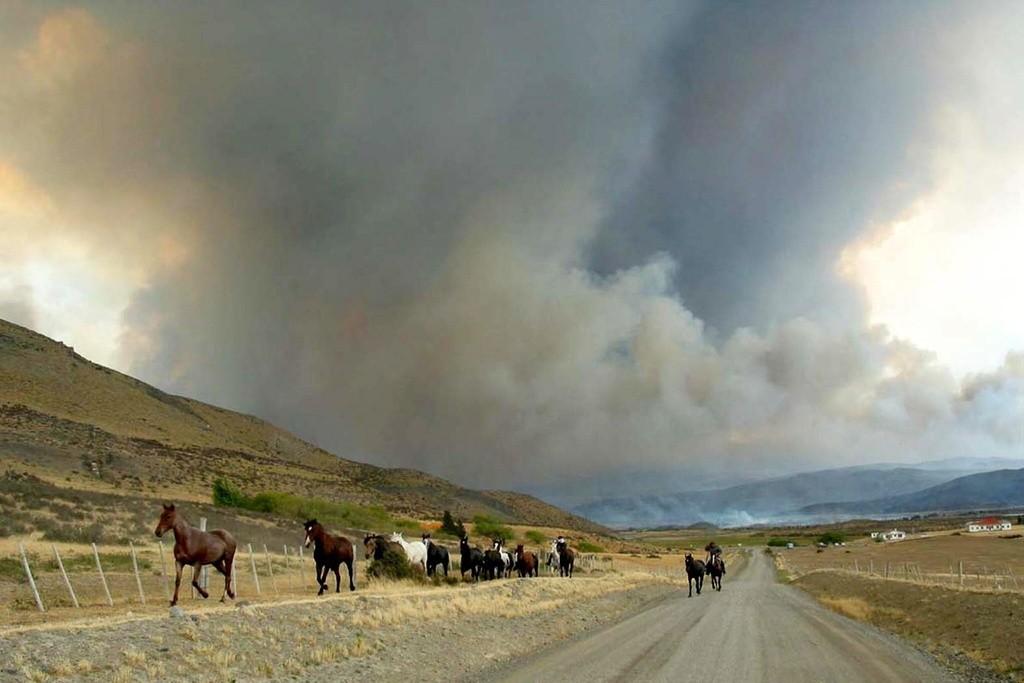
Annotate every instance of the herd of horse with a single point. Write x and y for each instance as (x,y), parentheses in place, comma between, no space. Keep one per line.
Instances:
(196,548)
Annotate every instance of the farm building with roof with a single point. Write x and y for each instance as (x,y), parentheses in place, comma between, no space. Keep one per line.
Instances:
(989,524)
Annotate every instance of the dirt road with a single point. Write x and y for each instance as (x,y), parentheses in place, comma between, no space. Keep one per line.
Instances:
(754,630)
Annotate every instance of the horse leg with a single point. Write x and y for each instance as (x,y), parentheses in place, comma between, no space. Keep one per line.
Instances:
(337,578)
(321,577)
(219,566)
(689,580)
(351,574)
(178,567)
(197,569)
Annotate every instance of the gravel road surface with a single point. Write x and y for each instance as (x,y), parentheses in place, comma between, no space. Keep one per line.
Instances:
(754,630)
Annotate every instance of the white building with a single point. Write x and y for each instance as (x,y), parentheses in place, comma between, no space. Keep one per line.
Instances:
(894,535)
(989,524)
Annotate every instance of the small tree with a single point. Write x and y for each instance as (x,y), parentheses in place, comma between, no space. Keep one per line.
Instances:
(451,527)
(832,537)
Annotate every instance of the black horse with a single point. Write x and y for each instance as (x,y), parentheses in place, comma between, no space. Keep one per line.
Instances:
(472,559)
(436,555)
(695,572)
(493,566)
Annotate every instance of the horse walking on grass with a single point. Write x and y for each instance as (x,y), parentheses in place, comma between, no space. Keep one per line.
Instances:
(415,551)
(526,562)
(472,559)
(196,548)
(437,555)
(329,553)
(695,570)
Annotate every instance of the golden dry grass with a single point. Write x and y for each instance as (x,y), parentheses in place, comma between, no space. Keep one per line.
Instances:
(982,625)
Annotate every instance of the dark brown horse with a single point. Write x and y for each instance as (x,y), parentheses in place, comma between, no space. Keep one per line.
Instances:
(329,553)
(566,557)
(695,572)
(197,548)
(715,569)
(526,562)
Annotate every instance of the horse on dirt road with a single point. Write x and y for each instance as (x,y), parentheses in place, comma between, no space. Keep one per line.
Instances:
(329,553)
(695,571)
(197,548)
(715,569)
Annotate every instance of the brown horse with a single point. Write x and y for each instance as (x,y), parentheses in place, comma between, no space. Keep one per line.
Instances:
(329,553)
(197,548)
(566,557)
(527,563)
(695,572)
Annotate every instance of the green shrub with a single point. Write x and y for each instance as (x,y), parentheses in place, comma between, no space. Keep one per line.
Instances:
(588,547)
(779,542)
(394,564)
(830,537)
(536,537)
(226,494)
(485,525)
(450,527)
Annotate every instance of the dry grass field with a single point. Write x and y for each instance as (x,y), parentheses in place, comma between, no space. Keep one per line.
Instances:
(386,630)
(962,627)
(988,560)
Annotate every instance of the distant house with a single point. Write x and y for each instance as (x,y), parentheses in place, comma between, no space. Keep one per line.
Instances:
(989,524)
(894,535)
(876,534)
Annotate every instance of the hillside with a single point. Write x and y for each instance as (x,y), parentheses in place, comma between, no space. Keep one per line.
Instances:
(70,422)
(764,501)
(987,490)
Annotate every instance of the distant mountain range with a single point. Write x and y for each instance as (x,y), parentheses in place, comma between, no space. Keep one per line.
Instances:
(882,488)
(986,490)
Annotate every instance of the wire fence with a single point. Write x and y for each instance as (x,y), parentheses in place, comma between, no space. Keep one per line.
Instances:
(961,573)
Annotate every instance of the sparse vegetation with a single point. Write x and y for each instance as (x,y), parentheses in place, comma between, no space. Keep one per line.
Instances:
(589,547)
(535,537)
(394,565)
(226,494)
(831,538)
(450,527)
(490,527)
(779,542)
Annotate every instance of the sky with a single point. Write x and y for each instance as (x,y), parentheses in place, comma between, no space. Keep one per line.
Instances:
(576,248)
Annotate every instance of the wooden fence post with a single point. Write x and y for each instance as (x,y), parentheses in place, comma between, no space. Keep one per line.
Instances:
(204,572)
(255,574)
(163,571)
(103,579)
(270,568)
(31,581)
(64,574)
(135,568)
(886,575)
(302,566)
(961,569)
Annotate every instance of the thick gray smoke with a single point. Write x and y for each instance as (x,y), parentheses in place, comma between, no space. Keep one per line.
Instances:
(482,239)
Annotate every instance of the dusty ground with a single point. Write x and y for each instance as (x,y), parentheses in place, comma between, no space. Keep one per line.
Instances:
(399,632)
(754,630)
(960,626)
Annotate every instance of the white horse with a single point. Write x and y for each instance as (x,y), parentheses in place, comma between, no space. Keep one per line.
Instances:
(554,558)
(506,557)
(415,551)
